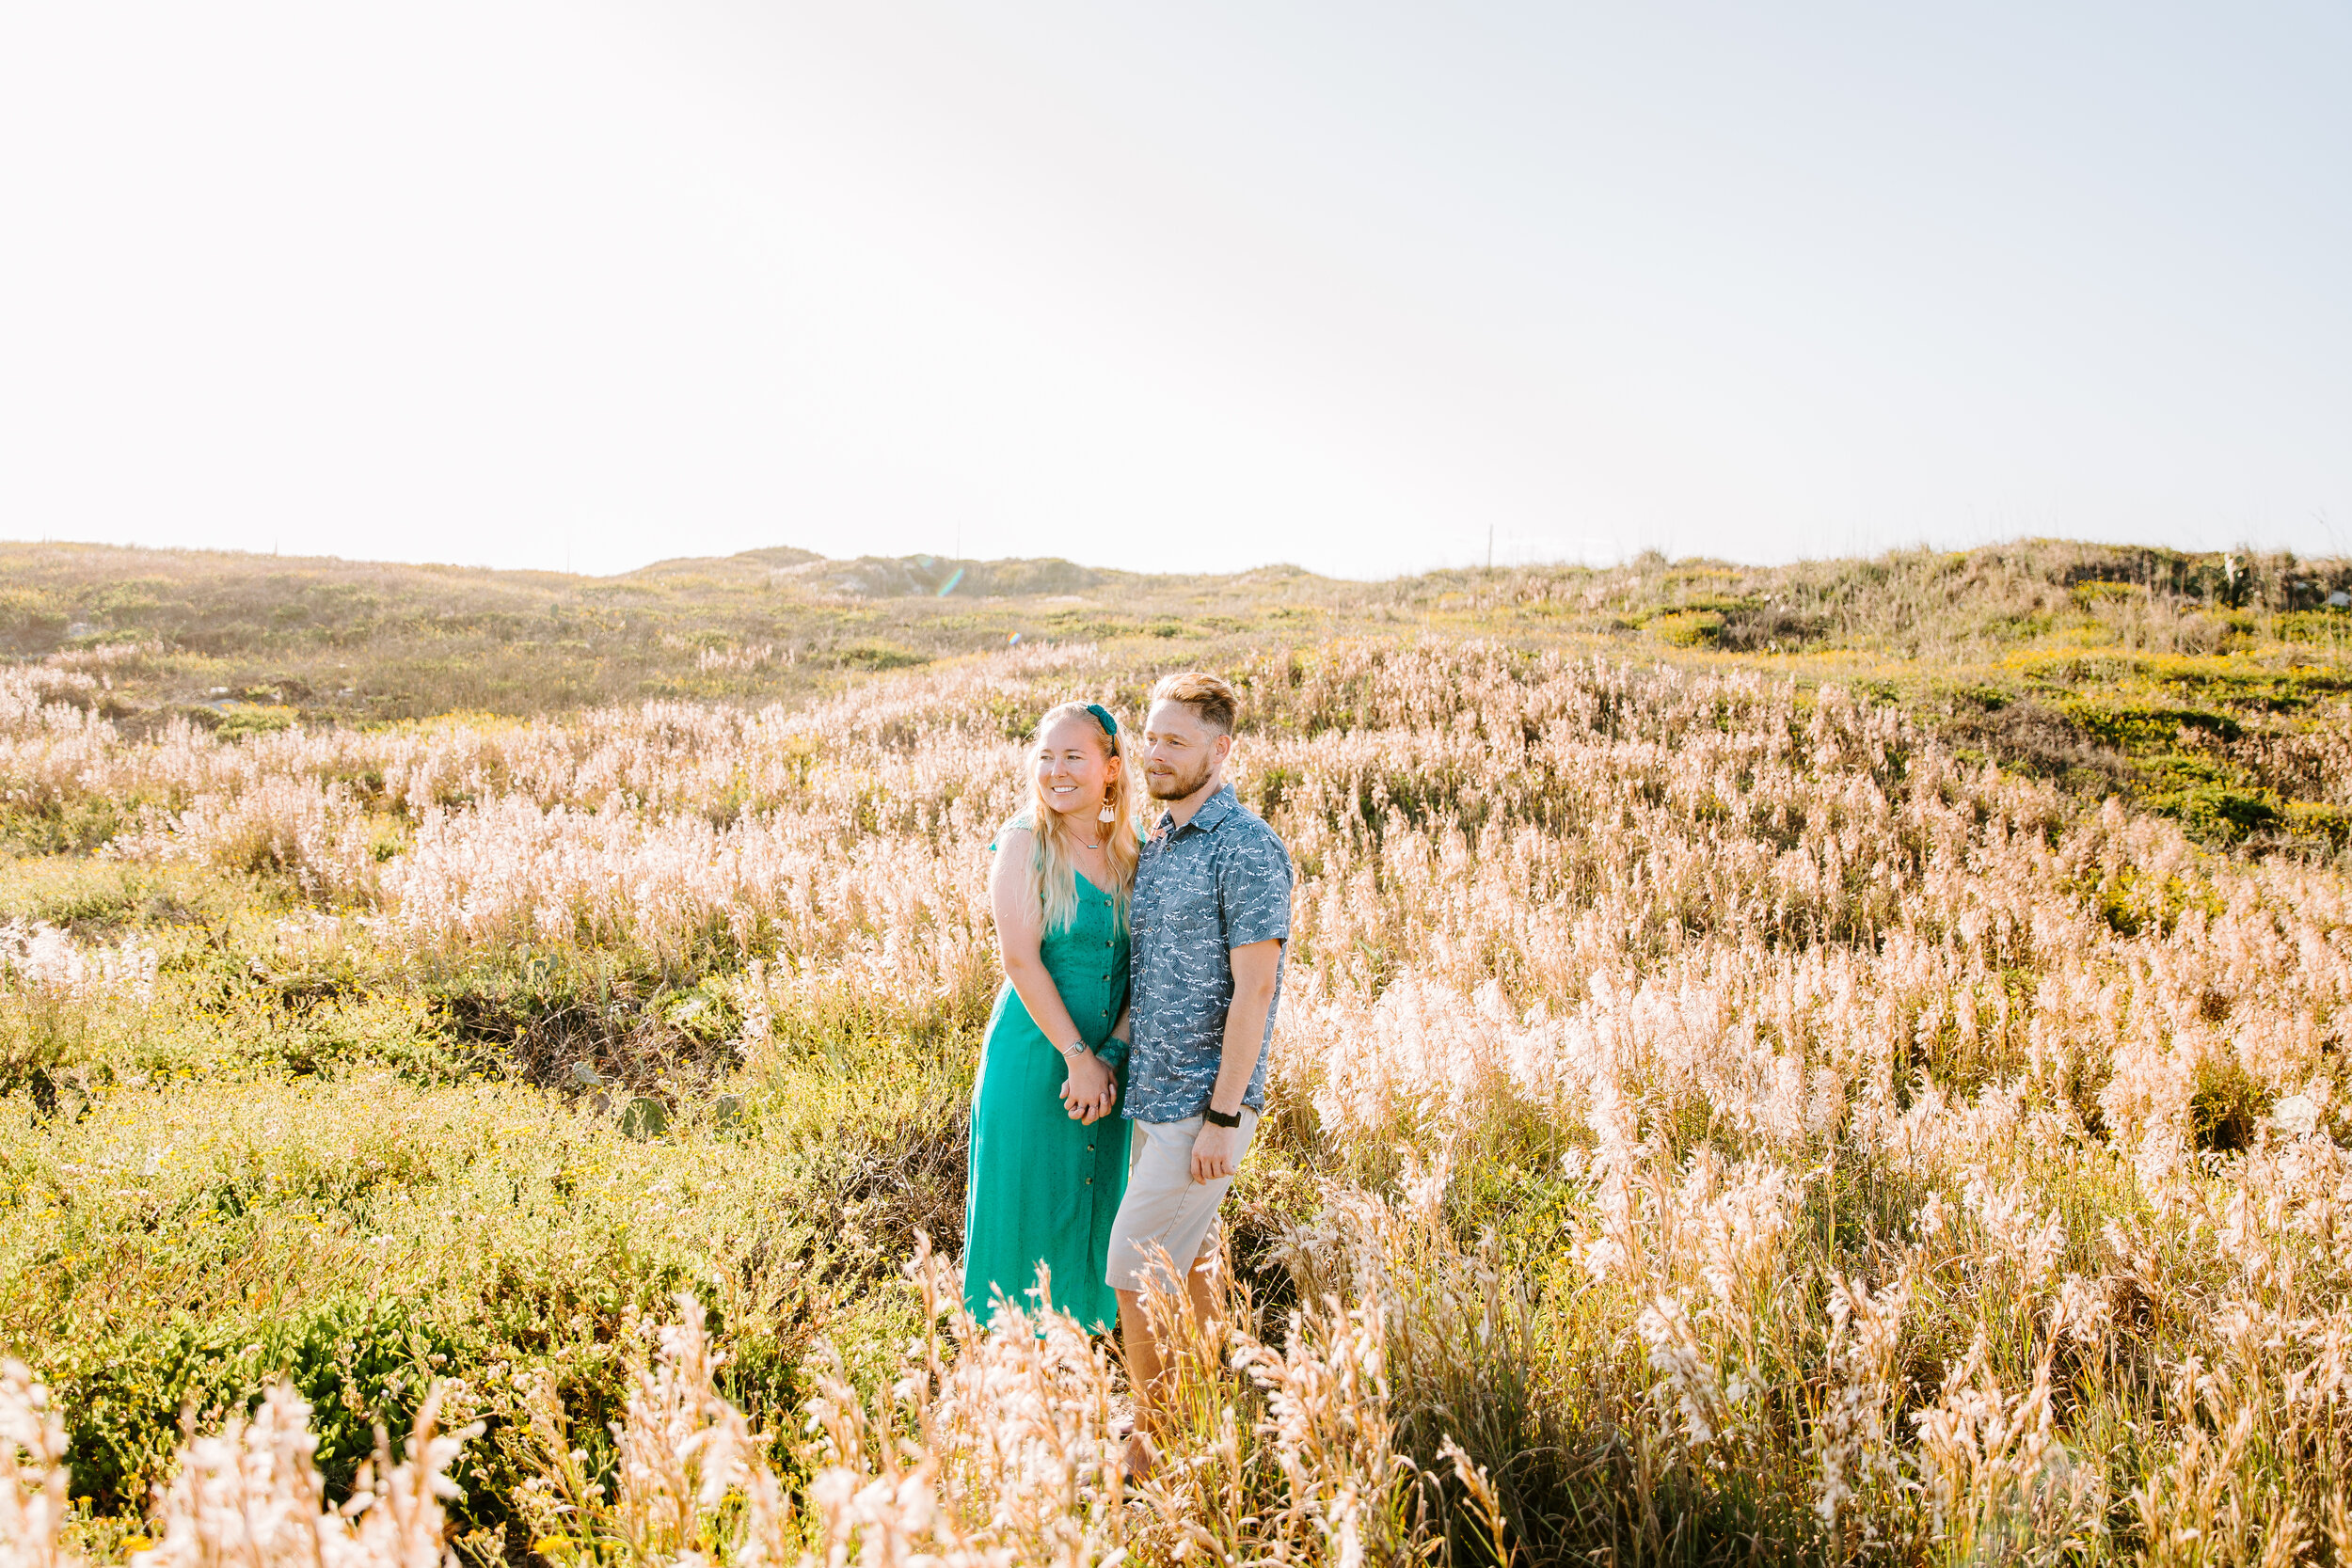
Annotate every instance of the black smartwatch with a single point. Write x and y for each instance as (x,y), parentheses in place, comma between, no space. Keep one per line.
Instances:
(1215,1117)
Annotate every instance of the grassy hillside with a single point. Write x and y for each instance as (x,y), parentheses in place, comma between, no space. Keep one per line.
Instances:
(2192,683)
(1833,1062)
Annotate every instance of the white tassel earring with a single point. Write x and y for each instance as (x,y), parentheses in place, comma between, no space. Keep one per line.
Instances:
(1106,815)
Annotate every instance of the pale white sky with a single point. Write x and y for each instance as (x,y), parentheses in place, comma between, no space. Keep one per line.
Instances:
(1210,285)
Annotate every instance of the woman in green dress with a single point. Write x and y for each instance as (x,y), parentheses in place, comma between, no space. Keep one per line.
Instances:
(1049,1156)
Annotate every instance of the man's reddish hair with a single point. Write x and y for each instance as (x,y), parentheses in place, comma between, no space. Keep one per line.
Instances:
(1213,700)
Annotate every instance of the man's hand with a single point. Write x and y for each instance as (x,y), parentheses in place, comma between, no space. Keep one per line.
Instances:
(1214,1150)
(1088,1093)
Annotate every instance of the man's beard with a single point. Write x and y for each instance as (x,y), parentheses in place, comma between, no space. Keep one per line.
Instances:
(1177,785)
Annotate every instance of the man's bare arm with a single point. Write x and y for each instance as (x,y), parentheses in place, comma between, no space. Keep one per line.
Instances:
(1255,967)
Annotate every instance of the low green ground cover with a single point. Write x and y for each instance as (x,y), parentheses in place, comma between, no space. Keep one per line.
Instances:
(215,1190)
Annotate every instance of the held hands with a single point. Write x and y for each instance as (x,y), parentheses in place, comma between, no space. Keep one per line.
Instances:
(1091,1090)
(1212,1151)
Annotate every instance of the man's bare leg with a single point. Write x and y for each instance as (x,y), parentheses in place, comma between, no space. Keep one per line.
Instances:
(1200,1285)
(1148,1359)
(1144,1373)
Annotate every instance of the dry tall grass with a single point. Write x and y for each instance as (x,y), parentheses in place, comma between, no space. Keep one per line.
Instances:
(247,1495)
(1710,1122)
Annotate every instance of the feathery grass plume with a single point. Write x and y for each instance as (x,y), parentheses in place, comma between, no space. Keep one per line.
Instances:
(1859,1490)
(104,658)
(2000,1484)
(1014,1453)
(251,1494)
(684,1461)
(34,1494)
(312,832)
(1349,1489)
(1011,1443)
(737,661)
(53,989)
(1470,1359)
(991,1448)
(40,959)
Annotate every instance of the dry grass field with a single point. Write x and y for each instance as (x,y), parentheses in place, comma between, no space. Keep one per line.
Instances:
(1837,1063)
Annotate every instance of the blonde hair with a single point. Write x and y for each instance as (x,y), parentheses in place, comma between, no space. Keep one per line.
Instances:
(1053,852)
(1213,700)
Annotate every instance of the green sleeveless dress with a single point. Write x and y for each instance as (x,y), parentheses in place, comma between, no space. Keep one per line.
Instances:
(1041,1188)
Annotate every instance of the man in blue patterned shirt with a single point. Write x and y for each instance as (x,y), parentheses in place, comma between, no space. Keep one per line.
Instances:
(1208,922)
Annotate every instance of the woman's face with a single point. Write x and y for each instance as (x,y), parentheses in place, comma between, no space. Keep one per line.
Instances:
(1072,772)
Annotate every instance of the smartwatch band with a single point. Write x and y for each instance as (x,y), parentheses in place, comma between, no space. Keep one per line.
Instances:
(1215,1117)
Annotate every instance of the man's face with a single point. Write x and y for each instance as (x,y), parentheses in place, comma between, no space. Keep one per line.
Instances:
(1178,751)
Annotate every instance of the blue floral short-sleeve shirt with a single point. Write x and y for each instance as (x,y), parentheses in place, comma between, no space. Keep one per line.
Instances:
(1220,882)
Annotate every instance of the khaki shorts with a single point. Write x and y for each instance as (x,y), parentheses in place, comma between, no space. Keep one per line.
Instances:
(1166,1209)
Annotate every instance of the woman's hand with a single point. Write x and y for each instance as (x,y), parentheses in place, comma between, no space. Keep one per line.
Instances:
(1089,1090)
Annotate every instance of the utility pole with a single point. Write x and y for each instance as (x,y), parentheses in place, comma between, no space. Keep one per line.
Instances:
(1490,547)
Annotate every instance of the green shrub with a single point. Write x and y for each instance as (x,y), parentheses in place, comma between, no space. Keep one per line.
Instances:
(2219,814)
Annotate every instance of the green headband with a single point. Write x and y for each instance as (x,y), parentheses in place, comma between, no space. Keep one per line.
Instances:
(1103,715)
